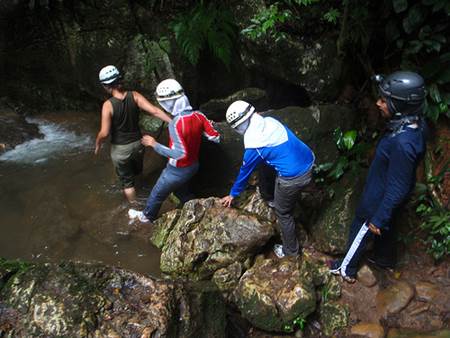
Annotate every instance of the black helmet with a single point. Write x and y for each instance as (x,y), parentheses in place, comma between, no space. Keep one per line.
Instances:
(403,91)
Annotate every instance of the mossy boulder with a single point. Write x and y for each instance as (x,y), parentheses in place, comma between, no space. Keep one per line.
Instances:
(206,237)
(309,62)
(81,300)
(331,229)
(271,294)
(227,278)
(93,300)
(334,317)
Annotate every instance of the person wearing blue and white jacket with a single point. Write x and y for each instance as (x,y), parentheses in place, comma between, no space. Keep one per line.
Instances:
(268,141)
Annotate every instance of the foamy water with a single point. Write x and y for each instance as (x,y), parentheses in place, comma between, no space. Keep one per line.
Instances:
(58,141)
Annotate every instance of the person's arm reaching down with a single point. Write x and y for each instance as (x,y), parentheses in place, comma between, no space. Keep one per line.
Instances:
(105,126)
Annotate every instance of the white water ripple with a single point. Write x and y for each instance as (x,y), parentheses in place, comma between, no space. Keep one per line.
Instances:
(57,142)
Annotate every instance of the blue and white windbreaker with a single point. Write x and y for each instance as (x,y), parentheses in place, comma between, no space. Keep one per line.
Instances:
(266,139)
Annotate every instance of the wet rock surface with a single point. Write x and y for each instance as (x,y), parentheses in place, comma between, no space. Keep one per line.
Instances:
(271,294)
(366,276)
(367,330)
(330,231)
(405,333)
(313,65)
(78,300)
(14,129)
(207,237)
(394,298)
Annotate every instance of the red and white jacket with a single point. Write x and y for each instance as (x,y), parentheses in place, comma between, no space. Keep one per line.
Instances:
(185,131)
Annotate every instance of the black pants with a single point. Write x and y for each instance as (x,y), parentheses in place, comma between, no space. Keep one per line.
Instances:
(359,236)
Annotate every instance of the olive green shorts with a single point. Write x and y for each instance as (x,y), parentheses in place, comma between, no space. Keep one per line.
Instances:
(128,161)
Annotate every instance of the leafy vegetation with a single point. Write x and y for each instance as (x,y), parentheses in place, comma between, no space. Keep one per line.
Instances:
(419,32)
(435,217)
(207,26)
(352,155)
(298,323)
(267,23)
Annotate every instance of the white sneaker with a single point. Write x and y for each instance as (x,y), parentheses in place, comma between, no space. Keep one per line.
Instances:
(133,213)
(278,250)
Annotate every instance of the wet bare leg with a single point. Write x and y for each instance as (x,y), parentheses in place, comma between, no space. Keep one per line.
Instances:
(130,194)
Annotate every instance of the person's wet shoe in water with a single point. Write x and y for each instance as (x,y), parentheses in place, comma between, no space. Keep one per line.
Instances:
(136,214)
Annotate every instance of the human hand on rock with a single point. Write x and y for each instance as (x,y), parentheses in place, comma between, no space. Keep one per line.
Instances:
(148,141)
(226,201)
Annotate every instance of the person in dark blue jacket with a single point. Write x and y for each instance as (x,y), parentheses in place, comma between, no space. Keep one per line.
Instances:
(392,173)
(269,142)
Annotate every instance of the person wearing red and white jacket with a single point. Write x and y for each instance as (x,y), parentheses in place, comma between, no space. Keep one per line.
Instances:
(185,130)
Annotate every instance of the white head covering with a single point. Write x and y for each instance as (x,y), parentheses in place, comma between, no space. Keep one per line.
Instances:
(176,106)
(264,132)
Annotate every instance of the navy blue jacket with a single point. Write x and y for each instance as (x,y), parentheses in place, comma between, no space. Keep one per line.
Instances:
(392,175)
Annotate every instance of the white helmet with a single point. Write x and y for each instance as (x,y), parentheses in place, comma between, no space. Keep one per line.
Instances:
(239,112)
(108,74)
(169,89)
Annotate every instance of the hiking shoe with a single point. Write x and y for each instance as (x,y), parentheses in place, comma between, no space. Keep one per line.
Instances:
(133,213)
(278,250)
(335,267)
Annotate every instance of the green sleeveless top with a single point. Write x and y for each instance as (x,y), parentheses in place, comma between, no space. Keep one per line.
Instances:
(125,120)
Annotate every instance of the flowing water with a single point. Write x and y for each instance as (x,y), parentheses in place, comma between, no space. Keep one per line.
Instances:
(58,201)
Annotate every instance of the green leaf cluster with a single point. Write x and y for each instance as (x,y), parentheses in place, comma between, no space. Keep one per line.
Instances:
(435,217)
(419,30)
(267,22)
(298,323)
(352,155)
(207,26)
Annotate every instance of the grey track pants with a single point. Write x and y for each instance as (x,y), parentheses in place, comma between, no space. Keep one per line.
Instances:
(287,191)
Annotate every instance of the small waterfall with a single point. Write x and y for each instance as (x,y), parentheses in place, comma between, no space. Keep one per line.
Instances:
(58,141)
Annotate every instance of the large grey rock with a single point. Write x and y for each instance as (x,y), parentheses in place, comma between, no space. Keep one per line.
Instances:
(330,231)
(79,300)
(206,237)
(334,317)
(309,62)
(271,294)
(215,109)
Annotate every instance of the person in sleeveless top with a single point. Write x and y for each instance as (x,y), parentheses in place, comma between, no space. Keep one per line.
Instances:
(185,132)
(120,119)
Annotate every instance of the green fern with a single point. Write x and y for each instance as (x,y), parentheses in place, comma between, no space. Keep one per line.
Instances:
(205,26)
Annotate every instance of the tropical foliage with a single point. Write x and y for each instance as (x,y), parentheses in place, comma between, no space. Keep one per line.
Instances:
(207,26)
(419,32)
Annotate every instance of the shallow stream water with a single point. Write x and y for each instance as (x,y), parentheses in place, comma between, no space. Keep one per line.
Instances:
(60,202)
